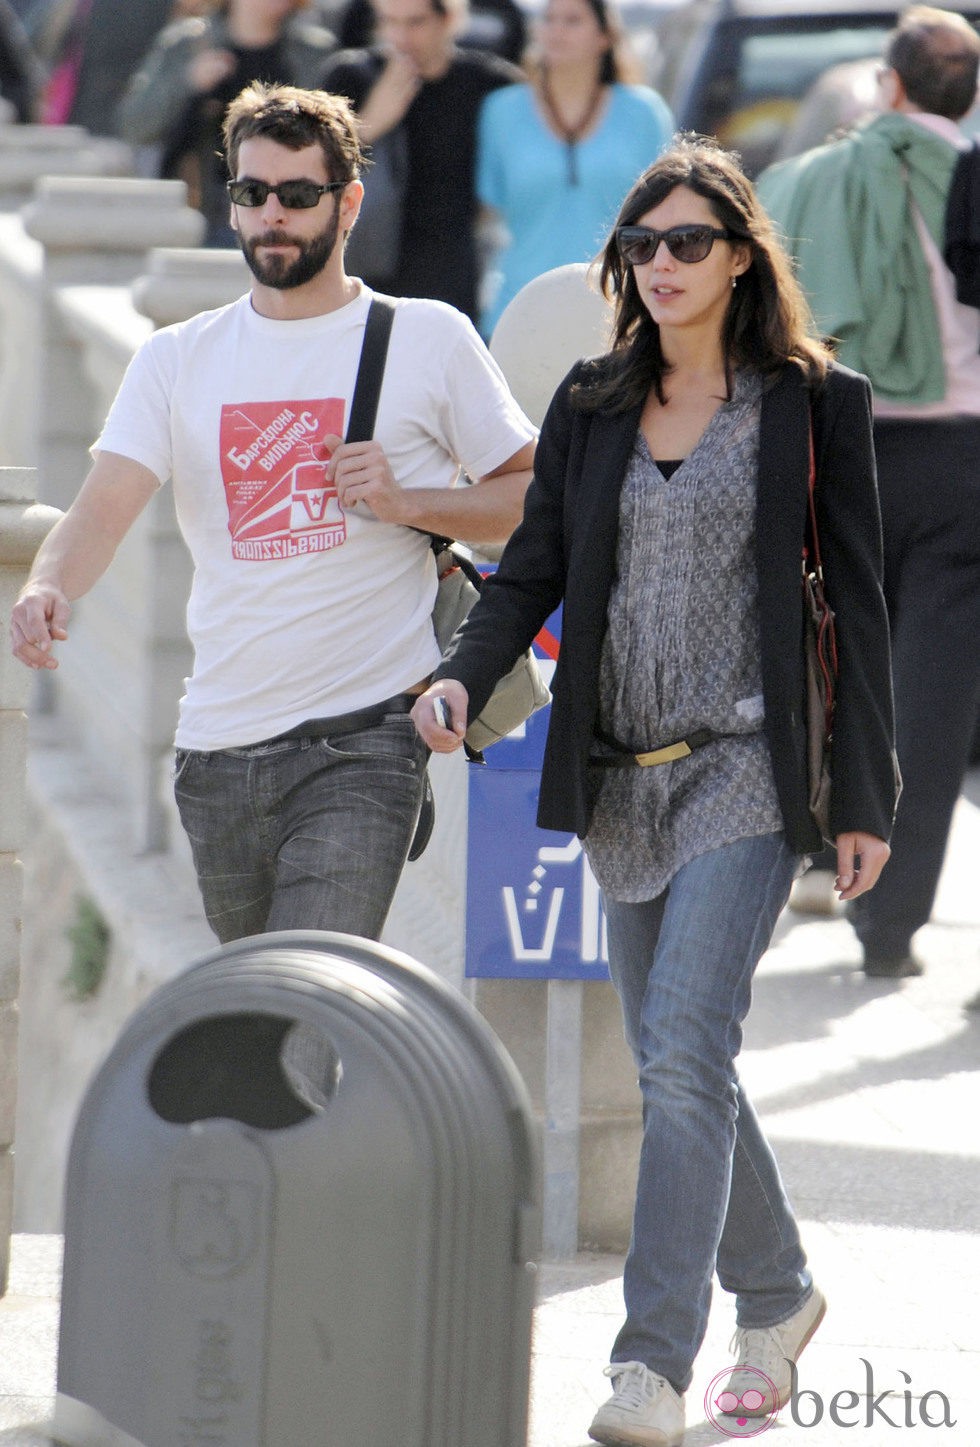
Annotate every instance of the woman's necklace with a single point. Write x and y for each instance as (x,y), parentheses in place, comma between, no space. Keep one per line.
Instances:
(571,134)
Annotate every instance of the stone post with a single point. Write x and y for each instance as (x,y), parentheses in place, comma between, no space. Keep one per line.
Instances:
(27,152)
(23,527)
(179,282)
(96,231)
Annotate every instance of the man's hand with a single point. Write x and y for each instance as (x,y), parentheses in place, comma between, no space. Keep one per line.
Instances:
(860,860)
(389,98)
(361,473)
(39,618)
(208,69)
(440,715)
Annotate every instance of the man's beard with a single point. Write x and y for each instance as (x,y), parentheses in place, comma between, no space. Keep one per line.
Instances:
(278,271)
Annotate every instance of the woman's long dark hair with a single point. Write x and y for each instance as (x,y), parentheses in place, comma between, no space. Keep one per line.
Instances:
(768,322)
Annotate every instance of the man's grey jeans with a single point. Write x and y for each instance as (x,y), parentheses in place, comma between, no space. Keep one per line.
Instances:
(303,833)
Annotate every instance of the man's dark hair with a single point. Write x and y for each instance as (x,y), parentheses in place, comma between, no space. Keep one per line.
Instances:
(936,55)
(295,118)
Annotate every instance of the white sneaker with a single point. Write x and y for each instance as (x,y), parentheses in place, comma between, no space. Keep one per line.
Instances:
(643,1411)
(766,1355)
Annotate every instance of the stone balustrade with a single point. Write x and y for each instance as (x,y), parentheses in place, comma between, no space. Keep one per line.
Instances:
(179,282)
(23,527)
(94,231)
(119,686)
(28,152)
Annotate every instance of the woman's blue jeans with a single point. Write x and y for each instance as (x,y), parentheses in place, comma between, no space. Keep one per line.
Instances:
(709,1195)
(306,833)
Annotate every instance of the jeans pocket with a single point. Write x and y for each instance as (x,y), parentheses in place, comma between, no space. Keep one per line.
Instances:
(393,741)
(185,761)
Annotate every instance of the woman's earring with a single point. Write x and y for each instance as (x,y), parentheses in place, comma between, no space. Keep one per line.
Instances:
(734,282)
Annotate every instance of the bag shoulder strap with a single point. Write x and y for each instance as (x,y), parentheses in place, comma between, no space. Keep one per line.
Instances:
(816,561)
(811,501)
(370,370)
(364,407)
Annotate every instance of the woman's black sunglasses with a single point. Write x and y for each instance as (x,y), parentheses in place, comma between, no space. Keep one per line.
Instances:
(294,195)
(639,244)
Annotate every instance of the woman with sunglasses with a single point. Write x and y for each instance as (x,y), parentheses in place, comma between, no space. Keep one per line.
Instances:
(668,512)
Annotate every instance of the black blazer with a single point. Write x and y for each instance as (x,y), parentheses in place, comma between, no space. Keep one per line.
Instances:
(565,548)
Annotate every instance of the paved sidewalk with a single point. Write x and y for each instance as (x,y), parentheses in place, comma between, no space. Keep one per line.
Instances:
(870,1092)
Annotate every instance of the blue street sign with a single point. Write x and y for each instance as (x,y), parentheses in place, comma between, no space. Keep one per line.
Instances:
(533,909)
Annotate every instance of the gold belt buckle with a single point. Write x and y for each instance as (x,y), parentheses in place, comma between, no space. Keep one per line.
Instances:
(666,755)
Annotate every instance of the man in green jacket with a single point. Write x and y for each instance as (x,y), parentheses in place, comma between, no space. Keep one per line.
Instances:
(865,220)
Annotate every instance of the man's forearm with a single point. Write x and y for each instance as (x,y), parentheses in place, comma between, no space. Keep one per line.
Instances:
(72,557)
(83,543)
(486,512)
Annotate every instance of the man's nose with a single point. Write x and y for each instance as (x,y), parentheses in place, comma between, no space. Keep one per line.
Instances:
(272,208)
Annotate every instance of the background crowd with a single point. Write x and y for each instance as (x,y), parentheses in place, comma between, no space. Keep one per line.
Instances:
(468,199)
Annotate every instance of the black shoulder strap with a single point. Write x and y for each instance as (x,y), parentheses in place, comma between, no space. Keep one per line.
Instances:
(370,370)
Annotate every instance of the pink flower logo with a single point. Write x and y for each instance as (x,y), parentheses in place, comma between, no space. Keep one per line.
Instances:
(739,1414)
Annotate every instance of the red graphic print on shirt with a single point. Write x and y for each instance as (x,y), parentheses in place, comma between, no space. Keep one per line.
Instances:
(273,457)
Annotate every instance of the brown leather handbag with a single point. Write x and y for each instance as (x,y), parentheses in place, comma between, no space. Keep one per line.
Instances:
(820,658)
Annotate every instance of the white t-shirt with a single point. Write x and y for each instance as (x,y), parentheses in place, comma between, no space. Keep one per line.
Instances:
(298,609)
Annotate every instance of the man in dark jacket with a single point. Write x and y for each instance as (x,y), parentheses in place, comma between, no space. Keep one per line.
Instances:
(418,90)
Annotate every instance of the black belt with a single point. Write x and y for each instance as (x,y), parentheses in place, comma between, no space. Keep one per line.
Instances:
(348,723)
(665,755)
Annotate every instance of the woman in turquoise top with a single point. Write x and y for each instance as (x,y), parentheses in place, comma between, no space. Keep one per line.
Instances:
(556,156)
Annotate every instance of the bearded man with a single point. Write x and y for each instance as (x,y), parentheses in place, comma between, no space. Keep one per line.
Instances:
(299,775)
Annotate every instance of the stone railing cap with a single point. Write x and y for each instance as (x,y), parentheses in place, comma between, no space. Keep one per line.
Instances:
(44,138)
(111,213)
(20,166)
(23,528)
(179,282)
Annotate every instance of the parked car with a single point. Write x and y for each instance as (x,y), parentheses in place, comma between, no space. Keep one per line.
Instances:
(739,69)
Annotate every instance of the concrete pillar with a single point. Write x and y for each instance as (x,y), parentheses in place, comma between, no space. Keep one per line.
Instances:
(23,527)
(176,283)
(27,152)
(96,231)
(179,282)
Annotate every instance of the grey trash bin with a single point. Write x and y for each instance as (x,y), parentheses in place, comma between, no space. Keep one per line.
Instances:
(302,1208)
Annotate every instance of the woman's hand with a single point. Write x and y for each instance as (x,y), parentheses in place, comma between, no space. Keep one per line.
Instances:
(440,715)
(860,860)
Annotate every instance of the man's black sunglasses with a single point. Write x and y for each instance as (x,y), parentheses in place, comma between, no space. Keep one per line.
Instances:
(294,195)
(639,244)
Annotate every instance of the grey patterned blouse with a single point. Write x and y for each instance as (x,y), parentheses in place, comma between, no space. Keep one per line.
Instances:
(682,653)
